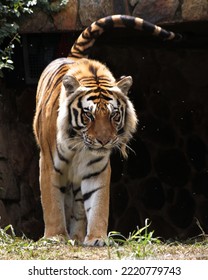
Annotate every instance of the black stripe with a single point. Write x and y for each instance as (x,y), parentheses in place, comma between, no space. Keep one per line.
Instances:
(128,21)
(148,27)
(63,189)
(87,79)
(95,161)
(57,82)
(51,155)
(77,127)
(93,70)
(57,170)
(48,80)
(75,113)
(95,173)
(61,157)
(164,34)
(93,97)
(93,34)
(121,131)
(105,97)
(101,95)
(106,91)
(85,36)
(79,103)
(76,219)
(94,90)
(108,23)
(74,110)
(54,104)
(105,79)
(96,243)
(87,195)
(75,192)
(72,133)
(69,111)
(79,200)
(82,52)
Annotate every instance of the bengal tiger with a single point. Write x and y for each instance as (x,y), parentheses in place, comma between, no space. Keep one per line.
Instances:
(82,114)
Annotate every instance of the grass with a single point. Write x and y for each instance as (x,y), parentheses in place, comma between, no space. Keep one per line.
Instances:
(139,245)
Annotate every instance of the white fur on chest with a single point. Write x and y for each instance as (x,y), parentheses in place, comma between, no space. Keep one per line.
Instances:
(81,163)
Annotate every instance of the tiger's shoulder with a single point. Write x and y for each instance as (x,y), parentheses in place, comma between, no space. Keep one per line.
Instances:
(51,92)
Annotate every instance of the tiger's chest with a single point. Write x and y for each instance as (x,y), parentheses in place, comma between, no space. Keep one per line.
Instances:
(81,164)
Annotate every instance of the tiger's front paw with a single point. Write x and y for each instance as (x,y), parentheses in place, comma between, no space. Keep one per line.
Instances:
(59,238)
(94,241)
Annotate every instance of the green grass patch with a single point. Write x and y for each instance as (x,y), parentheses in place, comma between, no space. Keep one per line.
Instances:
(140,244)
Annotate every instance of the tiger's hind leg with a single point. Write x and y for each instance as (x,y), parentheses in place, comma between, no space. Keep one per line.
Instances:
(52,200)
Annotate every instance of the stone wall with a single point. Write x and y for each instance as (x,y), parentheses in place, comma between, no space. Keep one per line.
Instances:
(81,13)
(19,187)
(165,178)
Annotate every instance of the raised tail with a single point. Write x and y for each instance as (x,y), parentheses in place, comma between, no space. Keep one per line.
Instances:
(86,40)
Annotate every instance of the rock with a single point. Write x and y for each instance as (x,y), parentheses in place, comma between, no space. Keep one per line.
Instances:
(22,144)
(13,211)
(155,10)
(66,18)
(19,189)
(3,141)
(91,10)
(193,10)
(27,202)
(8,187)
(121,7)
(4,218)
(36,22)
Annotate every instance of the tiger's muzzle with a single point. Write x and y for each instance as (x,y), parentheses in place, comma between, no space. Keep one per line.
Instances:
(101,132)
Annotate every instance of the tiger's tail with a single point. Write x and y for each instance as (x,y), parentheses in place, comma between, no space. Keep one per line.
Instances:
(86,40)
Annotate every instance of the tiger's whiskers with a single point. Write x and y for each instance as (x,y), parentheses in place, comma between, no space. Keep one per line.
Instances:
(78,142)
(119,147)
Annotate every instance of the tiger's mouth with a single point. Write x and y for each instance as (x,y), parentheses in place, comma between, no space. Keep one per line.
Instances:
(101,146)
(98,150)
(97,147)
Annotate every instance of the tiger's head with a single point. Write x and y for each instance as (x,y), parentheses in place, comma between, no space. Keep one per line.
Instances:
(96,109)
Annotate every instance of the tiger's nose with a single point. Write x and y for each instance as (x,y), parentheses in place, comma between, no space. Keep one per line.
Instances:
(103,140)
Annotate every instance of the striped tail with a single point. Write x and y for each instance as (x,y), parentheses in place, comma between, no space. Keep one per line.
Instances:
(86,40)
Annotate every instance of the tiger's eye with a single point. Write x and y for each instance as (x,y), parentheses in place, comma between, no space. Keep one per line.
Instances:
(88,116)
(115,116)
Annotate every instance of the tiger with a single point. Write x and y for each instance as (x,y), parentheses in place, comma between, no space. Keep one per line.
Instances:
(82,114)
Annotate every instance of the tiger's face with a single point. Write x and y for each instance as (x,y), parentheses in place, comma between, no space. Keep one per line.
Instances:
(99,117)
(102,121)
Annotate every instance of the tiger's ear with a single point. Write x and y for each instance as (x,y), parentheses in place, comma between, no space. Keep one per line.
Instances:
(124,84)
(70,83)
